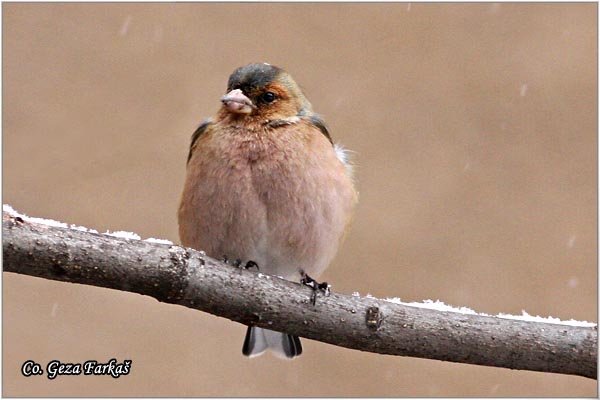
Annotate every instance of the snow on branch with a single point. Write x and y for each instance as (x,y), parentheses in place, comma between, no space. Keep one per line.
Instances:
(178,275)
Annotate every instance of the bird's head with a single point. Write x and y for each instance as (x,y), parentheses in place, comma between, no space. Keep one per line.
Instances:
(263,91)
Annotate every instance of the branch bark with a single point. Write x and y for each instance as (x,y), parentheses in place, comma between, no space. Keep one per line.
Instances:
(183,276)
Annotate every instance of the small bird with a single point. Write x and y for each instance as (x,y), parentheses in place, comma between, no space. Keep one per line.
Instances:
(265,184)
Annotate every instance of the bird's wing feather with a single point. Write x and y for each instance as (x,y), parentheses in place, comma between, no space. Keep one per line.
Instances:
(197,133)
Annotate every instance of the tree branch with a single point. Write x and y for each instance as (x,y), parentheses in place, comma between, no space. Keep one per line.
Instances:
(183,276)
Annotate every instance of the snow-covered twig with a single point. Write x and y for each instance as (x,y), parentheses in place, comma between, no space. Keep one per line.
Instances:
(183,276)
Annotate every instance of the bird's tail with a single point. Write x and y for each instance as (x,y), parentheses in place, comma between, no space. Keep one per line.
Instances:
(259,339)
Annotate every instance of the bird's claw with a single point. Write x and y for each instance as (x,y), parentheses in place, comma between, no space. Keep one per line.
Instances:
(251,264)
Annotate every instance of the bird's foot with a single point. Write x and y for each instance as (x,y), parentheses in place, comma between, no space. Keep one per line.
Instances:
(315,286)
(238,263)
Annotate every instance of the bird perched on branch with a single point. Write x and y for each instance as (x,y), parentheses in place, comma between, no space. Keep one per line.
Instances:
(265,184)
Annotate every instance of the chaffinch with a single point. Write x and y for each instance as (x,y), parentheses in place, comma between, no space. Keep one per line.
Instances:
(265,183)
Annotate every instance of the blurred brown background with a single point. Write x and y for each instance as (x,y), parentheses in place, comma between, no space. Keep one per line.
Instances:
(475,132)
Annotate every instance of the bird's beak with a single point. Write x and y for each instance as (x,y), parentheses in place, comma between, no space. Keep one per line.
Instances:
(237,102)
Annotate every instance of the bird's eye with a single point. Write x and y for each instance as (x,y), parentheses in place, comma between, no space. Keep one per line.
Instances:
(268,97)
